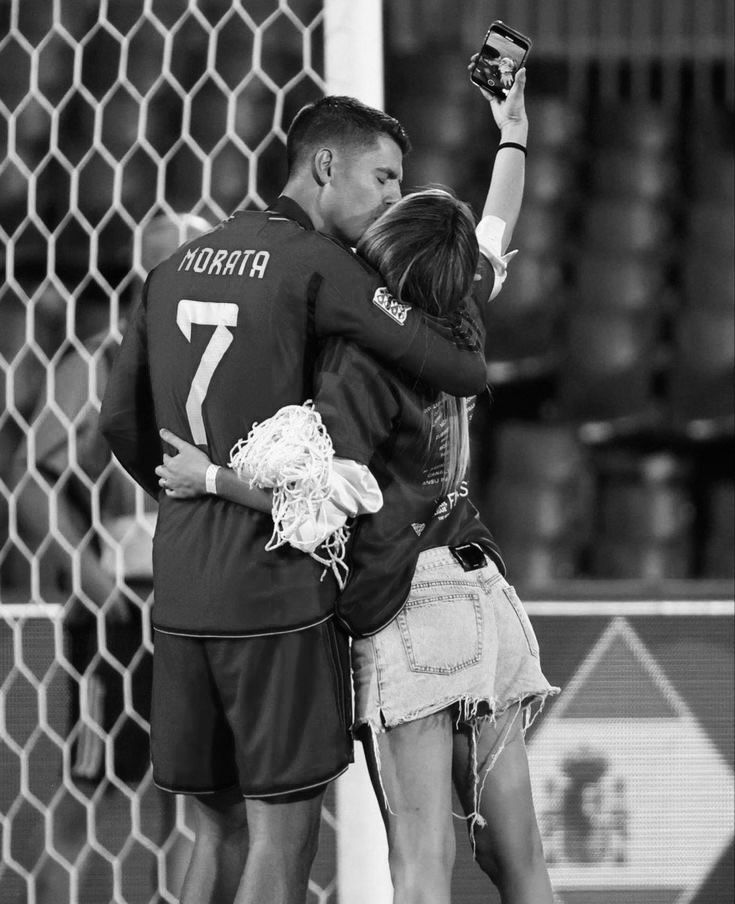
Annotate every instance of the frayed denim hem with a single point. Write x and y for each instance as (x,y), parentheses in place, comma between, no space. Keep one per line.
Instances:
(527,708)
(475,712)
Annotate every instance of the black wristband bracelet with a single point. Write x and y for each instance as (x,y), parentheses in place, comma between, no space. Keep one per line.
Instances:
(513,144)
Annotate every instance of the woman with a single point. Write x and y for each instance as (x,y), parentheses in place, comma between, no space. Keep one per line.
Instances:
(445,661)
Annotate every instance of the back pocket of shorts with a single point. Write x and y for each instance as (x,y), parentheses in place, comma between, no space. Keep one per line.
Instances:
(442,635)
(523,618)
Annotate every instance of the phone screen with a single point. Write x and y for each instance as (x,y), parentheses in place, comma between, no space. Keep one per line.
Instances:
(498,61)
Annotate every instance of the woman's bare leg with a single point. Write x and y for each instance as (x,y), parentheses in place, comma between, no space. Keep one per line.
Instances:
(508,847)
(415,767)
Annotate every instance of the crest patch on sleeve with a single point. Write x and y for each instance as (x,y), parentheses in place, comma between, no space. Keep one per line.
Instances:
(383,299)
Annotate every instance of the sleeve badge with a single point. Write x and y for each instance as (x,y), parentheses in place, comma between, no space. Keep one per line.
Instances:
(384,300)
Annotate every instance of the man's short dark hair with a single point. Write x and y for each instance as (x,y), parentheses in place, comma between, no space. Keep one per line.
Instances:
(341,120)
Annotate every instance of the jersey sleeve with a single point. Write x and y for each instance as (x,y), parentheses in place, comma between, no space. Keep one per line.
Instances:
(357,401)
(492,269)
(493,263)
(483,288)
(401,336)
(127,417)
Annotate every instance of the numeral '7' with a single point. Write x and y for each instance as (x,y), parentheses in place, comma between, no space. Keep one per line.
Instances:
(220,315)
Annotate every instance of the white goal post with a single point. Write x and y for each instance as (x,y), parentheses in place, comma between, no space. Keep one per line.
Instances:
(353,53)
(354,66)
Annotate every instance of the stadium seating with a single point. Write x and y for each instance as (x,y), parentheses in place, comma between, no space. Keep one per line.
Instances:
(645,517)
(538,500)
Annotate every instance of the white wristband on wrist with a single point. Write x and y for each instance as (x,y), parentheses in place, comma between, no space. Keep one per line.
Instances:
(210,479)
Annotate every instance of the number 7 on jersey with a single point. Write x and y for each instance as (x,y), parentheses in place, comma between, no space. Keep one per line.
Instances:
(220,315)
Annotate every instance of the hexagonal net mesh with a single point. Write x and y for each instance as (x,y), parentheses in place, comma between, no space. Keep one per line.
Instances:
(125,126)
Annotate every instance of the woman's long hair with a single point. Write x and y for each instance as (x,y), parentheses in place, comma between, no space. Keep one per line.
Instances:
(426,249)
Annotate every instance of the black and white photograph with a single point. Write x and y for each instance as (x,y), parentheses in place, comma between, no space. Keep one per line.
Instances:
(367,443)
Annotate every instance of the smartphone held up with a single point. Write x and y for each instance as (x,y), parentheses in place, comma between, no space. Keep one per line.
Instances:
(502,54)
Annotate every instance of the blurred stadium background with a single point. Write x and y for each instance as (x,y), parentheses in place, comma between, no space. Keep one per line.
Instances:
(602,462)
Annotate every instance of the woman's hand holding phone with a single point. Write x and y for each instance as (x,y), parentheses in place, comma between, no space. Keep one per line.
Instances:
(512,110)
(502,55)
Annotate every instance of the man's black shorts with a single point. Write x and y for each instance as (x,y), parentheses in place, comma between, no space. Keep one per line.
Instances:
(270,715)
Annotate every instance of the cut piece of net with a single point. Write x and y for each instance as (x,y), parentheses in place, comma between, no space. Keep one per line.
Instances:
(292,453)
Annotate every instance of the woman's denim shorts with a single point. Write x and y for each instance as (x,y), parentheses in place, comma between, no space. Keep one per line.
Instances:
(462,638)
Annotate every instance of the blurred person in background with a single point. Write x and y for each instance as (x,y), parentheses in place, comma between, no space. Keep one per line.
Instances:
(79,516)
(251,704)
(426,580)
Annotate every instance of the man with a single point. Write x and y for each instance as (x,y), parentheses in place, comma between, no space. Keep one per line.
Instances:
(251,710)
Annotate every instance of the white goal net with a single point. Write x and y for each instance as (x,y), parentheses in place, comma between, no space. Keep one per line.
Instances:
(124,124)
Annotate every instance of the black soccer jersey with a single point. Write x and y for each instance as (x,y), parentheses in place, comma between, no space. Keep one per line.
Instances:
(226,334)
(382,421)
